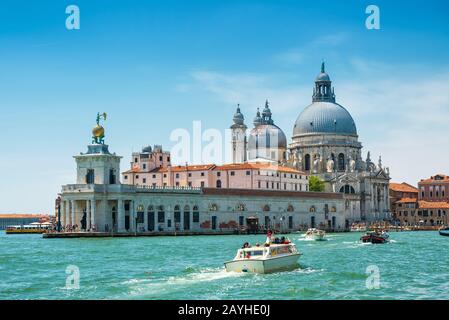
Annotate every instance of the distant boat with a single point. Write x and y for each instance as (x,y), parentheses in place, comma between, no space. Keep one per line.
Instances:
(315,234)
(34,227)
(375,237)
(444,232)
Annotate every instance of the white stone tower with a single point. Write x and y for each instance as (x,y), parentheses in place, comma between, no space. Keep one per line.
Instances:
(238,138)
(98,165)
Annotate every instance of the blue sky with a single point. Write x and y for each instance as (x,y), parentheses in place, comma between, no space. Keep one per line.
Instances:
(155,66)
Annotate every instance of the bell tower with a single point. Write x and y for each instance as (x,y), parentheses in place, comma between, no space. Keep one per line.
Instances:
(238,138)
(98,165)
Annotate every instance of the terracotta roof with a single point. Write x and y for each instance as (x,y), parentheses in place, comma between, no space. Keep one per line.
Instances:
(402,187)
(433,205)
(407,200)
(233,166)
(258,166)
(271,193)
(433,180)
(22,215)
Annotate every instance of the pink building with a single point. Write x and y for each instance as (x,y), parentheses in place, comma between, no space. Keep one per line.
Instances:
(434,189)
(152,168)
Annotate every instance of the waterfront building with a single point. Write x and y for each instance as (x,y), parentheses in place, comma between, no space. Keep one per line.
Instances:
(21,219)
(401,191)
(98,201)
(325,143)
(434,189)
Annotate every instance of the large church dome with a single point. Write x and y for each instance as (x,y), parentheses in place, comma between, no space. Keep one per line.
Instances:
(324,115)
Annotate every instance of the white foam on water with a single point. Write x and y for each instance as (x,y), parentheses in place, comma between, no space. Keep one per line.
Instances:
(139,287)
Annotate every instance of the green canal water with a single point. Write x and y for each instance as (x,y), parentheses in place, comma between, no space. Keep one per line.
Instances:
(414,265)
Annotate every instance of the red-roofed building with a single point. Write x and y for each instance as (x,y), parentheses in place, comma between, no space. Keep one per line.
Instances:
(436,188)
(399,191)
(247,175)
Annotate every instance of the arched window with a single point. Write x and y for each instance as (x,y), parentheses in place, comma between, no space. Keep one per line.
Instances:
(341,162)
(177,213)
(140,213)
(290,208)
(160,214)
(347,189)
(307,162)
(312,209)
(218,183)
(266,207)
(195,214)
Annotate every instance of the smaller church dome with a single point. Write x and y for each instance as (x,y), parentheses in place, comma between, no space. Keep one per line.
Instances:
(258,119)
(323,76)
(238,117)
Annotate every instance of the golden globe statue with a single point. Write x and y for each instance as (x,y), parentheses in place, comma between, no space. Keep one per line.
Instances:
(98,130)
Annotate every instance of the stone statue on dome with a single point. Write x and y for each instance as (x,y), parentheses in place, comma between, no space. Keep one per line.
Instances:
(330,165)
(352,164)
(316,164)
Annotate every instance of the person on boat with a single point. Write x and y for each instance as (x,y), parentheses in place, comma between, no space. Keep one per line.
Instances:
(246,245)
(269,238)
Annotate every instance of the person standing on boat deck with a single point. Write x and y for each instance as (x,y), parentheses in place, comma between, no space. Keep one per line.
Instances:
(269,238)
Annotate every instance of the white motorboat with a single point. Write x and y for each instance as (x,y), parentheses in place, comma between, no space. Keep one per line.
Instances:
(315,234)
(265,259)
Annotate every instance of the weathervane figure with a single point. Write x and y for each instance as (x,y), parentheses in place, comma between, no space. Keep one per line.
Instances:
(98,130)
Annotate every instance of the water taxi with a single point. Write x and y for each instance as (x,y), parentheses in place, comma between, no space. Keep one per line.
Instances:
(265,259)
(34,227)
(315,234)
(375,237)
(444,232)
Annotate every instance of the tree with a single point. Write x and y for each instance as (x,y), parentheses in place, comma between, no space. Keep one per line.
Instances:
(316,184)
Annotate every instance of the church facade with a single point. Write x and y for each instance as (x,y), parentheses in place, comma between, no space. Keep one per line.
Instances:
(324,144)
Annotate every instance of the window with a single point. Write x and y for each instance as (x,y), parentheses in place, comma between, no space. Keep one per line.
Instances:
(136,160)
(312,209)
(290,208)
(112,177)
(266,207)
(168,159)
(213,207)
(341,162)
(160,158)
(202,174)
(190,183)
(232,173)
(190,174)
(137,176)
(177,176)
(144,180)
(290,222)
(126,177)
(177,183)
(144,166)
(196,214)
(347,189)
(307,162)
(177,214)
(202,184)
(161,214)
(154,176)
(241,220)
(90,176)
(258,184)
(165,175)
(219,174)
(140,213)
(248,173)
(218,183)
